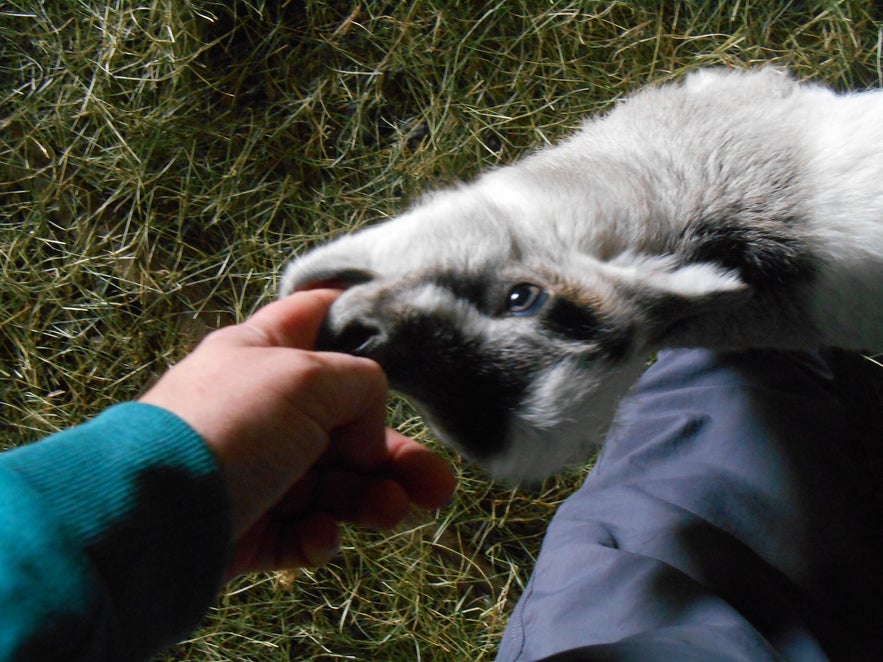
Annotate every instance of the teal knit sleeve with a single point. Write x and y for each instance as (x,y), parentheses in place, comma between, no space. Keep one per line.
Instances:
(114,536)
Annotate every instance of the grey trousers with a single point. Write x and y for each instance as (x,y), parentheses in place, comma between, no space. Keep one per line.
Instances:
(735,513)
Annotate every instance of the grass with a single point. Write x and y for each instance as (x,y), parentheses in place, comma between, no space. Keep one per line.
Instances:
(160,161)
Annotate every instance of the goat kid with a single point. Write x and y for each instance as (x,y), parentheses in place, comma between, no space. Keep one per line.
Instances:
(736,209)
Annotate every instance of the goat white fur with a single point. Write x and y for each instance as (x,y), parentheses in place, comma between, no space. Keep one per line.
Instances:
(736,209)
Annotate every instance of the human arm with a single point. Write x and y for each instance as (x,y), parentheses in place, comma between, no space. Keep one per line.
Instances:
(115,535)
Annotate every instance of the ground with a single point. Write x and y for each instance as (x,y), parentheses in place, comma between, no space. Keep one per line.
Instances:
(160,162)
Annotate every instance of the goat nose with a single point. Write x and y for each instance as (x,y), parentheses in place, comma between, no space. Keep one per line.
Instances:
(356,337)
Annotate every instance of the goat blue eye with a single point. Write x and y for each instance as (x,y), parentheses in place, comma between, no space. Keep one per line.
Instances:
(525,299)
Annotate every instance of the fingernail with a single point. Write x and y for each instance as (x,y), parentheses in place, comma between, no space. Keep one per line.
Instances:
(320,555)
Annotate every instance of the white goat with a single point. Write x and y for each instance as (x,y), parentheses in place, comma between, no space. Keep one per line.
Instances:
(737,209)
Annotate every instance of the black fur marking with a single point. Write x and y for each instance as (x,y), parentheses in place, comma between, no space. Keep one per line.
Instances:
(572,319)
(567,318)
(767,255)
(469,387)
(482,289)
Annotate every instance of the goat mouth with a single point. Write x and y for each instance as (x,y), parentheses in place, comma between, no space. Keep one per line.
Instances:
(477,435)
(357,338)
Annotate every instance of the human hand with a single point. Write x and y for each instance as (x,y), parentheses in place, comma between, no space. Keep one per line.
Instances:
(299,436)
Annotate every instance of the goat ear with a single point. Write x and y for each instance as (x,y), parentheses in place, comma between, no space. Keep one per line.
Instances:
(297,277)
(340,264)
(671,297)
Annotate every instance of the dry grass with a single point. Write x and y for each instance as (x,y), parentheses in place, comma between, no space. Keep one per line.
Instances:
(159,162)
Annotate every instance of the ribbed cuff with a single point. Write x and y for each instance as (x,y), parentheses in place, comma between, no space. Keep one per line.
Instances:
(139,491)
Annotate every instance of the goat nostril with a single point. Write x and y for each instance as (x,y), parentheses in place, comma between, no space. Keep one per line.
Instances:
(356,338)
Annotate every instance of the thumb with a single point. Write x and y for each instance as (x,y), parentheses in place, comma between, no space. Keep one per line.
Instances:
(290,322)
